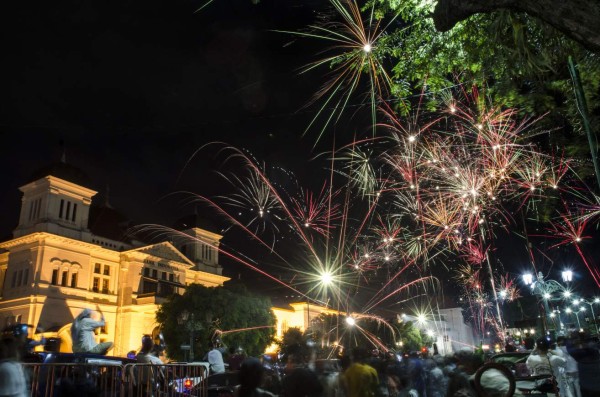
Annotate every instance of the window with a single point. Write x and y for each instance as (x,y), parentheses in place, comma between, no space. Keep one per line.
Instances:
(154,273)
(14,280)
(20,278)
(74,280)
(68,210)
(74,212)
(62,207)
(26,276)
(65,277)
(54,277)
(105,286)
(31,211)
(106,270)
(164,275)
(38,206)
(149,287)
(96,284)
(147,272)
(97,268)
(171,277)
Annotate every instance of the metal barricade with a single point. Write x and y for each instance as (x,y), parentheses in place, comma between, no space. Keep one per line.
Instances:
(149,380)
(74,379)
(106,379)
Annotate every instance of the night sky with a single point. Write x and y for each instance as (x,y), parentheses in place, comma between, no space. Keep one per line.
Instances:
(129,91)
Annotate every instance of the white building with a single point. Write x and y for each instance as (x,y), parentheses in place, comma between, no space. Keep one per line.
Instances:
(57,264)
(447,328)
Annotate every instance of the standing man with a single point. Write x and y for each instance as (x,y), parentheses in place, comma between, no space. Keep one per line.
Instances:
(215,358)
(569,381)
(360,379)
(82,334)
(545,363)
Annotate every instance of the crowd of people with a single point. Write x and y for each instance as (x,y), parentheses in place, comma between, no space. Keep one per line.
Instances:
(372,374)
(359,373)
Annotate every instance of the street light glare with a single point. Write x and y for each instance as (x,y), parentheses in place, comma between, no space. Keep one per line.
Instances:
(326,278)
(350,321)
(528,278)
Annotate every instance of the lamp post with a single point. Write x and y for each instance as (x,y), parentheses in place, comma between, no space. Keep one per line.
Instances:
(591,305)
(567,276)
(191,327)
(544,288)
(568,310)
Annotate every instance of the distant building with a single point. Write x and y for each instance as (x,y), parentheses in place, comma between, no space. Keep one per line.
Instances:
(69,253)
(447,328)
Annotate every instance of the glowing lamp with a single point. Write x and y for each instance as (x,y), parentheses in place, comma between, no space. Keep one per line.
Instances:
(567,276)
(528,278)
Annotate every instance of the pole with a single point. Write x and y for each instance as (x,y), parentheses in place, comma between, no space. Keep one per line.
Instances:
(594,317)
(493,284)
(583,111)
(191,325)
(577,317)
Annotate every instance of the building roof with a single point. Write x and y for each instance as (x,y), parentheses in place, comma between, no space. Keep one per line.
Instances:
(64,171)
(201,222)
(105,221)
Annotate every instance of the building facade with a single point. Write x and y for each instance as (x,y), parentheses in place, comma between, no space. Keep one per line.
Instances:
(447,328)
(56,265)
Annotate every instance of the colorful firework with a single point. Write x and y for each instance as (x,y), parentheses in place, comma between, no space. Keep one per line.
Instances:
(393,211)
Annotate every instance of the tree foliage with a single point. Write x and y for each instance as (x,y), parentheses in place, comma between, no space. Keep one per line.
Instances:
(217,311)
(328,330)
(522,60)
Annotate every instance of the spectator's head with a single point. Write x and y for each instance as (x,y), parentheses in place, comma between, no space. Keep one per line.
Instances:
(147,344)
(561,341)
(542,345)
(468,361)
(86,313)
(250,376)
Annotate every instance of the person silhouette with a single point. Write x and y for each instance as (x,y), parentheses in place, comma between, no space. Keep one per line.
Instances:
(82,333)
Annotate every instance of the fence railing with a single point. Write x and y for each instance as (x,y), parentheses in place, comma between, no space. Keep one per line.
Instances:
(107,379)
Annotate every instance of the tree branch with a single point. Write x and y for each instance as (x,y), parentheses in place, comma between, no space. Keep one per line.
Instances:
(577,19)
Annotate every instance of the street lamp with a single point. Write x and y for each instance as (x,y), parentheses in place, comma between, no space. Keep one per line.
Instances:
(544,288)
(568,310)
(191,327)
(591,305)
(567,276)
